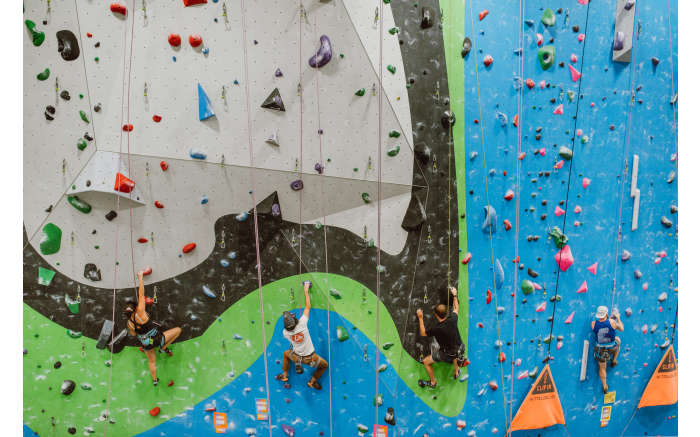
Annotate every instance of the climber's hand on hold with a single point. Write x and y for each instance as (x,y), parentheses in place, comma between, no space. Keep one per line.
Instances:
(419,313)
(453,291)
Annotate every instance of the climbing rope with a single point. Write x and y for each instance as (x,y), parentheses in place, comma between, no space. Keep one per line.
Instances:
(486,186)
(255,210)
(568,186)
(380,96)
(301,133)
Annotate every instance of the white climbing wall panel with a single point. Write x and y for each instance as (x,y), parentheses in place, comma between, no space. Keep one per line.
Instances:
(129,60)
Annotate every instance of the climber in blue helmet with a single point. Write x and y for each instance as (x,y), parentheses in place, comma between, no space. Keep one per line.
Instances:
(447,345)
(607,343)
(301,350)
(147,331)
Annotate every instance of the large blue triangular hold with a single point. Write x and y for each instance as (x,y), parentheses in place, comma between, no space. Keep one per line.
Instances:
(205,108)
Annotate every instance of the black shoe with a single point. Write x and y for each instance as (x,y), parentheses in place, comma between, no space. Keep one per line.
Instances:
(155,381)
(426,383)
(314,384)
(166,351)
(605,389)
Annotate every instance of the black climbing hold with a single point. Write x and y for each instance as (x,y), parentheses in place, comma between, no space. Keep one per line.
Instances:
(65,95)
(447,119)
(98,107)
(532,273)
(415,214)
(422,153)
(87,136)
(72,430)
(49,209)
(655,61)
(49,112)
(105,334)
(92,272)
(666,222)
(466,46)
(57,365)
(67,387)
(274,101)
(389,416)
(427,15)
(674,209)
(111,215)
(68,45)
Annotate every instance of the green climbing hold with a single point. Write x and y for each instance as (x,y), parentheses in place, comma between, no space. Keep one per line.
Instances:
(527,287)
(391,68)
(73,305)
(387,1)
(83,116)
(80,205)
(44,74)
(51,241)
(570,94)
(360,92)
(381,368)
(378,400)
(361,428)
(386,346)
(45,276)
(366,198)
(584,139)
(394,134)
(82,144)
(548,17)
(566,153)
(560,239)
(546,56)
(74,334)
(533,372)
(394,30)
(335,293)
(394,151)
(342,333)
(318,225)
(548,339)
(37,37)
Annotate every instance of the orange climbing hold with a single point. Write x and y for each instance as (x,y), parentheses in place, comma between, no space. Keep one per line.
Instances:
(483,14)
(195,40)
(154,412)
(149,301)
(530,83)
(516,120)
(193,2)
(509,195)
(541,407)
(123,184)
(507,225)
(662,388)
(118,8)
(189,247)
(501,357)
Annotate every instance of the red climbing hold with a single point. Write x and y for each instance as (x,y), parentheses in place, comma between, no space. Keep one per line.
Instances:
(147,271)
(163,165)
(483,14)
(593,268)
(467,258)
(515,120)
(149,301)
(128,127)
(493,385)
(521,156)
(158,204)
(89,35)
(118,8)
(142,240)
(157,118)
(480,325)
(174,40)
(195,40)
(509,195)
(193,2)
(123,184)
(154,412)
(170,384)
(540,39)
(488,60)
(488,296)
(189,247)
(530,83)
(507,225)
(501,357)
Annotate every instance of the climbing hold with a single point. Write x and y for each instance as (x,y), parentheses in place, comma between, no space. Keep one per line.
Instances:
(447,119)
(394,134)
(509,195)
(619,41)
(207,291)
(575,74)
(118,8)
(164,165)
(323,54)
(366,198)
(654,61)
(67,387)
(558,211)
(360,92)
(174,40)
(570,318)
(205,109)
(488,60)
(593,268)
(548,17)
(559,110)
(381,368)
(158,204)
(666,222)
(546,56)
(154,411)
(586,182)
(467,258)
(297,185)
(541,307)
(204,200)
(49,112)
(502,118)
(197,154)
(74,334)
(68,45)
(273,140)
(194,2)
(123,184)
(466,46)
(242,216)
(105,334)
(560,239)
(73,305)
(490,218)
(583,288)
(577,209)
(564,258)
(427,14)
(341,333)
(500,276)
(507,225)
(83,116)
(662,297)
(274,101)
(288,430)
(111,215)
(82,144)
(493,385)
(128,127)
(80,205)
(37,37)
(629,4)
(394,151)
(391,68)
(44,74)
(195,40)
(527,287)
(189,247)
(92,273)
(51,240)
(488,297)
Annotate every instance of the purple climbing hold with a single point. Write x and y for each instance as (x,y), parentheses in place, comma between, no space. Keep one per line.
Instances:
(297,185)
(318,167)
(278,73)
(619,41)
(288,430)
(276,210)
(637,274)
(323,55)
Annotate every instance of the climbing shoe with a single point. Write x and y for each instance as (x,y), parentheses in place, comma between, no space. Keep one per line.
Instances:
(155,381)
(166,351)
(613,364)
(314,384)
(456,375)
(422,383)
(605,389)
(281,377)
(299,369)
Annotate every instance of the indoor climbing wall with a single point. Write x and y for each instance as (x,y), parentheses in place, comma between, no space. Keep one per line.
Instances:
(523,152)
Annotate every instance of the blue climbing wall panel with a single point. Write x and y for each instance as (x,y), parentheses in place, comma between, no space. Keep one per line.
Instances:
(622,110)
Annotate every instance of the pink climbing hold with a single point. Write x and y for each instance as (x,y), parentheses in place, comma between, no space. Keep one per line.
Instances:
(581,37)
(579,132)
(488,60)
(577,210)
(577,223)
(559,110)
(661,254)
(558,211)
(540,39)
(657,260)
(560,344)
(541,307)
(483,14)
(645,286)
(518,362)
(542,151)
(536,286)
(593,268)
(542,84)
(564,258)
(521,156)
(524,374)
(559,164)
(583,288)
(583,2)
(575,74)
(645,329)
(573,58)
(570,318)
(586,182)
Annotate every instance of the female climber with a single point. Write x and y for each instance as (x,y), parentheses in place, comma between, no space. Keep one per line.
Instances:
(147,331)
(607,343)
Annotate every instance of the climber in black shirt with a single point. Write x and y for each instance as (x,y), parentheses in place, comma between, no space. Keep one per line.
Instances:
(447,346)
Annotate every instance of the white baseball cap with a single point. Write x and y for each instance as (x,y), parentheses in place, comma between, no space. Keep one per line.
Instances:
(601,312)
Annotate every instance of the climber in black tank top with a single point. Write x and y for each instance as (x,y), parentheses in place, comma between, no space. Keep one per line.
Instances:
(147,331)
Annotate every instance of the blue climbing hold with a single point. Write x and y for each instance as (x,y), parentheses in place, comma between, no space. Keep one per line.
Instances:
(205,108)
(489,224)
(502,118)
(208,292)
(224,263)
(205,199)
(197,154)
(205,51)
(500,275)
(242,216)
(231,255)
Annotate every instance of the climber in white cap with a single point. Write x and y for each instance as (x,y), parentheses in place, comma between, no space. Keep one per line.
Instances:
(607,343)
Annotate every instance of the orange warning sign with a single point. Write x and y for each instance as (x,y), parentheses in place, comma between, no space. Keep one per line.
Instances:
(541,407)
(662,388)
(381,431)
(220,424)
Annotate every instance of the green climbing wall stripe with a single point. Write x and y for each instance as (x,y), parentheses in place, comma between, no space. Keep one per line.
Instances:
(453,12)
(198,367)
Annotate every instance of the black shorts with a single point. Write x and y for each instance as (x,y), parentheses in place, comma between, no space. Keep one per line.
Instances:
(157,340)
(441,356)
(605,354)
